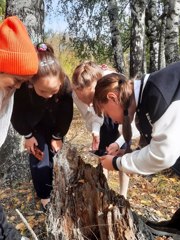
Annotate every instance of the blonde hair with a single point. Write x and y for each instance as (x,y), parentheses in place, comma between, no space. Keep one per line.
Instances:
(123,88)
(85,74)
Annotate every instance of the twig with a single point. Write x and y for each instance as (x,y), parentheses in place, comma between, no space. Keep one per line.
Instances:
(27,224)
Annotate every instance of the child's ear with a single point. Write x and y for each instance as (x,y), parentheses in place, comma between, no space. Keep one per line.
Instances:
(113,97)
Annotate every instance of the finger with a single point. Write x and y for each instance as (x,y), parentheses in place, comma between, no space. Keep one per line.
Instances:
(28,149)
(32,150)
(101,159)
(109,152)
(107,149)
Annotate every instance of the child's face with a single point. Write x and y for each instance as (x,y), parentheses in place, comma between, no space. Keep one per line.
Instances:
(12,81)
(86,94)
(113,109)
(46,87)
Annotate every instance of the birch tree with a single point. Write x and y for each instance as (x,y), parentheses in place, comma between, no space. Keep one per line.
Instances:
(95,29)
(31,13)
(115,35)
(162,29)
(172,31)
(153,34)
(137,37)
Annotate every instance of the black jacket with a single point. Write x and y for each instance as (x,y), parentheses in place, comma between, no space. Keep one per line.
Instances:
(161,89)
(31,112)
(7,231)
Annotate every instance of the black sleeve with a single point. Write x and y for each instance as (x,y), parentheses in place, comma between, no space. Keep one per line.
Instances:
(65,111)
(19,117)
(7,231)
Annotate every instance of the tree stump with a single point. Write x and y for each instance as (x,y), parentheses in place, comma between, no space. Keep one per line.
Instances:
(84,207)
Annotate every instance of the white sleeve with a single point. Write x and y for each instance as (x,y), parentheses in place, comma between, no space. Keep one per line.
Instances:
(120,141)
(5,117)
(93,122)
(163,150)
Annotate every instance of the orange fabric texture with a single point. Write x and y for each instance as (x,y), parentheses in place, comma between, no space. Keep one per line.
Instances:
(17,53)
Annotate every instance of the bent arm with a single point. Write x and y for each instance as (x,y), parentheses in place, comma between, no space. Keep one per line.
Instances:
(64,117)
(93,122)
(163,150)
(19,118)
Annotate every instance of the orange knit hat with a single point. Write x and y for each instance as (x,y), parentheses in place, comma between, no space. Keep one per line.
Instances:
(17,53)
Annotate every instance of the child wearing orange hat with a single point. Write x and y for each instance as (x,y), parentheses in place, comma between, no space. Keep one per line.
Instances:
(18,63)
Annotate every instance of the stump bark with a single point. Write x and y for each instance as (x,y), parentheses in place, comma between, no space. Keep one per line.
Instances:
(84,207)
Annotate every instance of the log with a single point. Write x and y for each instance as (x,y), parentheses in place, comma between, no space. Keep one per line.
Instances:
(84,207)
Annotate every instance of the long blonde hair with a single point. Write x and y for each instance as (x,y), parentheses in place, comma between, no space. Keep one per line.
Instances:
(117,83)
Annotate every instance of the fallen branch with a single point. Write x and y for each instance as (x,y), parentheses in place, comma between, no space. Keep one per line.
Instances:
(27,225)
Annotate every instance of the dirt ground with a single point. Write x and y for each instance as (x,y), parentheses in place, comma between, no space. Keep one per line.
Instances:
(155,197)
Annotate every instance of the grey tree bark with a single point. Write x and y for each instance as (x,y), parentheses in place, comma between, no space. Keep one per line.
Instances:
(14,165)
(152,32)
(116,36)
(137,37)
(162,59)
(84,207)
(172,31)
(31,12)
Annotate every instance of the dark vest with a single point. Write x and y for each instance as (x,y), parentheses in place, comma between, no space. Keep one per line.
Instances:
(161,89)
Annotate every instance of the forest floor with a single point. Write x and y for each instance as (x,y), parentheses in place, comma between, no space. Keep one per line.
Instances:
(155,197)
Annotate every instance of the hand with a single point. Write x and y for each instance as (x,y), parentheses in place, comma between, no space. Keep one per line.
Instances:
(106,162)
(56,145)
(29,144)
(95,142)
(113,149)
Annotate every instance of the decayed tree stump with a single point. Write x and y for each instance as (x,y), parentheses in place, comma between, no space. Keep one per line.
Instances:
(84,207)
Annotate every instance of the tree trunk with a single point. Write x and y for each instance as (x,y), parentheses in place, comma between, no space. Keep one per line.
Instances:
(14,164)
(115,35)
(31,12)
(83,206)
(153,34)
(172,31)
(137,37)
(162,59)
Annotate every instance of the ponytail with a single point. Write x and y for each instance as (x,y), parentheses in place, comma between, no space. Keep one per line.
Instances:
(127,131)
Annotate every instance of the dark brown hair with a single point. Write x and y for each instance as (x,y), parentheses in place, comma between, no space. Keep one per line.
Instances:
(118,84)
(48,64)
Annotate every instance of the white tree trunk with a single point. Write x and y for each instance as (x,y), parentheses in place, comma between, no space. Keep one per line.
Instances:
(115,35)
(137,37)
(31,12)
(172,31)
(153,34)
(162,59)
